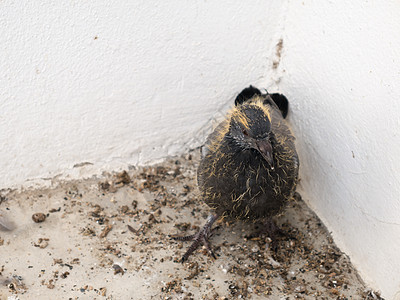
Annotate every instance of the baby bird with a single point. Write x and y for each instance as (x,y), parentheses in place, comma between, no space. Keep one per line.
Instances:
(249,168)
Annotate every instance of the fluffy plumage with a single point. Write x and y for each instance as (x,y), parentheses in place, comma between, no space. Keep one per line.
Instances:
(234,177)
(250,165)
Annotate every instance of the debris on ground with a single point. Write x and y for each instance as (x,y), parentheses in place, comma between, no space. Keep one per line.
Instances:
(38,217)
(110,238)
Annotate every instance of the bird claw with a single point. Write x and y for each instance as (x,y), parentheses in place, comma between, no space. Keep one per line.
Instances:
(201,237)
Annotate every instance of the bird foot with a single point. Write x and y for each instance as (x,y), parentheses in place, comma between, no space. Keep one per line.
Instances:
(272,230)
(201,237)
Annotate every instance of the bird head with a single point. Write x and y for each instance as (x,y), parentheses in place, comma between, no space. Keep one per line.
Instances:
(250,128)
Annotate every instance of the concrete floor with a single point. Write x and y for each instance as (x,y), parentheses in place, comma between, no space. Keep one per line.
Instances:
(109,238)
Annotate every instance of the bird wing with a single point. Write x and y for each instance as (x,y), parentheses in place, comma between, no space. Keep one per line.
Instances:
(280,128)
(217,133)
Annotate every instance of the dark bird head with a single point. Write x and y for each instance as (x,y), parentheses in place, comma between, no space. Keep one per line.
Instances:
(250,128)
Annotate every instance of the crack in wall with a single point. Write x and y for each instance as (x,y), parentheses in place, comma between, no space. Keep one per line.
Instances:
(374,217)
(276,73)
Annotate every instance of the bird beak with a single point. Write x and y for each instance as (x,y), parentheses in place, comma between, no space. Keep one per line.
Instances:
(265,149)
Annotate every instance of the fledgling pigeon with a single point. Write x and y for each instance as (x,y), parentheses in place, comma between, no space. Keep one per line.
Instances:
(250,166)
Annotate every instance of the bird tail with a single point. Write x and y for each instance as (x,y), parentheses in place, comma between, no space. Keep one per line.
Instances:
(277,99)
(247,94)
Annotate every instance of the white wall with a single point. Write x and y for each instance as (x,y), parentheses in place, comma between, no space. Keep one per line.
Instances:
(341,69)
(116,82)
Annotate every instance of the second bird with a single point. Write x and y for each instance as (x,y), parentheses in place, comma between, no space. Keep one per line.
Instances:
(249,168)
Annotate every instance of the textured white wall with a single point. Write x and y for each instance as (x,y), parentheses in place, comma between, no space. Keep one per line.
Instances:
(116,82)
(341,70)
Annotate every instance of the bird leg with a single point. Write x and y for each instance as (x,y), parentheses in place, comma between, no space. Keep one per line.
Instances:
(201,237)
(272,229)
(269,227)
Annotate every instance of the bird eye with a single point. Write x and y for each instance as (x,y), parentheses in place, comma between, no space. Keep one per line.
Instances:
(244,132)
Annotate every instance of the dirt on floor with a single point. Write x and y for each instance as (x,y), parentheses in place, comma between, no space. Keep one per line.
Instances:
(110,238)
